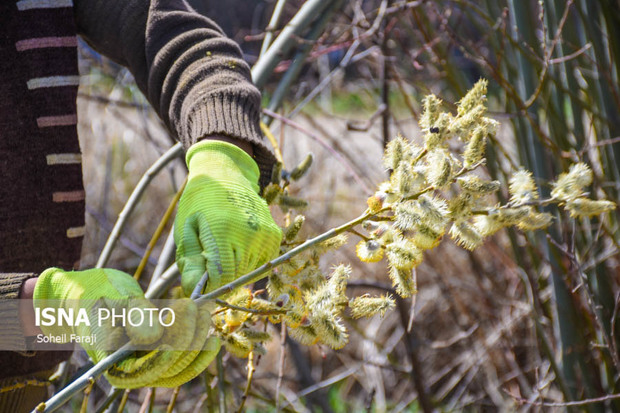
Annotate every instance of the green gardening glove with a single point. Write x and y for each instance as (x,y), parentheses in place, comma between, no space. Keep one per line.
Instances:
(222,225)
(164,366)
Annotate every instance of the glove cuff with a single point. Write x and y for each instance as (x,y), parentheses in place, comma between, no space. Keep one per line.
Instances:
(44,288)
(222,161)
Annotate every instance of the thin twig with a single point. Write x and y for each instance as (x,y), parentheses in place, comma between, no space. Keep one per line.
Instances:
(281,364)
(359,234)
(292,73)
(413,301)
(575,403)
(546,64)
(87,392)
(172,153)
(147,404)
(173,399)
(263,68)
(249,382)
(274,142)
(271,27)
(121,405)
(160,229)
(157,288)
(323,143)
(348,57)
(326,383)
(165,259)
(221,389)
(223,303)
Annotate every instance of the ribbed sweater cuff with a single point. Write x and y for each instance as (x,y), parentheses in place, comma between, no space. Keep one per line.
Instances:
(228,114)
(10,285)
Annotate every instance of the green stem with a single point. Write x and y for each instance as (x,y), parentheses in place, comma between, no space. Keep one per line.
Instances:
(259,273)
(223,303)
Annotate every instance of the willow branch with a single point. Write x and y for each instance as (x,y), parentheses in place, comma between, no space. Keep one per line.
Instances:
(125,351)
(271,27)
(286,40)
(160,229)
(172,153)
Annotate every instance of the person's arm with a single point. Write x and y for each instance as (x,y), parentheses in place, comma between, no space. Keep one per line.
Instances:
(17,316)
(26,311)
(191,73)
(197,81)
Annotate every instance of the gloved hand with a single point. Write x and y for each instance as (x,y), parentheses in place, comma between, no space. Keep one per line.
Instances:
(222,225)
(162,367)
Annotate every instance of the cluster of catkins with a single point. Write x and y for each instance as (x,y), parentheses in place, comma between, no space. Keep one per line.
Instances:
(300,294)
(432,191)
(313,303)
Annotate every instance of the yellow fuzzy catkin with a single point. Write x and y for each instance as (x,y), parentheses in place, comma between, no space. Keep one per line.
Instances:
(426,238)
(434,211)
(329,295)
(375,202)
(439,168)
(570,185)
(398,150)
(403,254)
(276,284)
(522,188)
(477,186)
(436,134)
(487,225)
(295,315)
(255,335)
(238,345)
(535,220)
(402,280)
(276,173)
(234,318)
(465,235)
(583,207)
(367,306)
(262,305)
(475,149)
(306,335)
(310,277)
(464,125)
(338,280)
(287,201)
(407,216)
(332,243)
(301,169)
(512,216)
(331,330)
(369,251)
(271,193)
(430,113)
(402,181)
(461,206)
(474,98)
(290,233)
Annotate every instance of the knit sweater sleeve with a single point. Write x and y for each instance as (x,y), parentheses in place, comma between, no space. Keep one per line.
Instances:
(191,73)
(10,286)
